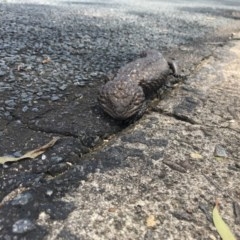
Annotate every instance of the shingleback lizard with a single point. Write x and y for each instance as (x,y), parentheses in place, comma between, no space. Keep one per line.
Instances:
(124,96)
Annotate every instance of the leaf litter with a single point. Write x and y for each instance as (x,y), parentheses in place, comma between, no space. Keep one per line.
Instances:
(31,154)
(222,228)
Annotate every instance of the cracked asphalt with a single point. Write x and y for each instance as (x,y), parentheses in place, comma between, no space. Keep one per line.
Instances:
(104,178)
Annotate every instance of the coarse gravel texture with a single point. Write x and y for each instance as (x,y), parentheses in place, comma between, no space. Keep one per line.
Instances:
(54,55)
(84,42)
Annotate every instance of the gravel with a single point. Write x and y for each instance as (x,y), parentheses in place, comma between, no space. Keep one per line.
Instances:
(23,226)
(22,199)
(47,47)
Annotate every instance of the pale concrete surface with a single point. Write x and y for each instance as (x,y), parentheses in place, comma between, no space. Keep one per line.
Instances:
(180,169)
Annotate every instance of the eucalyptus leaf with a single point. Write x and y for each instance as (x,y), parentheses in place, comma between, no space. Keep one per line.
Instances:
(31,154)
(222,228)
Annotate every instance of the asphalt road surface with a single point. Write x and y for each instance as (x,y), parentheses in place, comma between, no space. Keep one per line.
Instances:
(54,56)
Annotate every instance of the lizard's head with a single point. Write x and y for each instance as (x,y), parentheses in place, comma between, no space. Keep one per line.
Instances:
(121,99)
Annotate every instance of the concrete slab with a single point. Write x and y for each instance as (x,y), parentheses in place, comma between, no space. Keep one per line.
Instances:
(173,165)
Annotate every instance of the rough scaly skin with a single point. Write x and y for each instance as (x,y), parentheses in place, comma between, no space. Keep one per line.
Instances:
(124,96)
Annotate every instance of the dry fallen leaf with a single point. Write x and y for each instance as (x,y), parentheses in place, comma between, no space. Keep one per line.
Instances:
(150,221)
(31,154)
(222,228)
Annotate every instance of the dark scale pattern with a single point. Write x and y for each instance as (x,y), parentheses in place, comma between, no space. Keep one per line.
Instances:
(124,96)
(121,99)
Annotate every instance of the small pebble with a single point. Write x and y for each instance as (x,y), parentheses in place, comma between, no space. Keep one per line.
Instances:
(81,84)
(22,199)
(23,226)
(17,154)
(57,159)
(25,108)
(49,192)
(2,73)
(55,98)
(39,93)
(35,109)
(10,103)
(79,95)
(63,87)
(220,151)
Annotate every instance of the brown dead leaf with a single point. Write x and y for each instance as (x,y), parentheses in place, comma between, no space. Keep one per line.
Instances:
(31,154)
